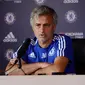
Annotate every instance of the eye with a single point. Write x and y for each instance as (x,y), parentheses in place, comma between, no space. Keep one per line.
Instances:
(47,25)
(38,25)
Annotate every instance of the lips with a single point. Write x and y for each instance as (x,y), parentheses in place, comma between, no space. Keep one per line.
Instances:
(42,35)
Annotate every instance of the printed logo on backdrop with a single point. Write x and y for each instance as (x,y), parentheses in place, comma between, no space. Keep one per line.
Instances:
(10,38)
(15,1)
(71,16)
(9,54)
(40,2)
(70,1)
(74,34)
(9,18)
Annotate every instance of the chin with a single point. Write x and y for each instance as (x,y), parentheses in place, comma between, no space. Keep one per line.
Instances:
(42,40)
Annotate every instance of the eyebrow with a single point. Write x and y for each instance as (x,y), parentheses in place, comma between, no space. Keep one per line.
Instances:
(47,24)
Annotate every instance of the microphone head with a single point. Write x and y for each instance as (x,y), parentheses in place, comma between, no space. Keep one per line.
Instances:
(22,49)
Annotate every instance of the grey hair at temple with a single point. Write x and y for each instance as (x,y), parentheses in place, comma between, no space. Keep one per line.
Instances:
(43,10)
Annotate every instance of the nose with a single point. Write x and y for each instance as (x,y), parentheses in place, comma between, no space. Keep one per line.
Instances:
(42,29)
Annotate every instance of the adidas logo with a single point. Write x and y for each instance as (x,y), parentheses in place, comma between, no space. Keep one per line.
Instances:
(10,38)
(32,55)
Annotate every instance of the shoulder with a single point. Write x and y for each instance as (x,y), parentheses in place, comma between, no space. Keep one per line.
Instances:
(63,41)
(62,37)
(33,41)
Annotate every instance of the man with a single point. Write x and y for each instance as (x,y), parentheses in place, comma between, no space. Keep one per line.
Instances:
(49,52)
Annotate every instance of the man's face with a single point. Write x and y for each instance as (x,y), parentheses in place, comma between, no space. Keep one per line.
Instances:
(43,28)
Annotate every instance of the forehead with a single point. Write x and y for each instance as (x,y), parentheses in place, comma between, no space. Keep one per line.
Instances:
(43,18)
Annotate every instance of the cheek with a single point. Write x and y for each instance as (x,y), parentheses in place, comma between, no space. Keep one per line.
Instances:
(36,32)
(48,31)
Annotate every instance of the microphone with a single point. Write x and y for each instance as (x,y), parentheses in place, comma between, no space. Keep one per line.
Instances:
(20,52)
(22,49)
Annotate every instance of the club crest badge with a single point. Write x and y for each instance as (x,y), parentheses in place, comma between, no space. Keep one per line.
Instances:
(9,18)
(71,16)
(52,52)
(40,2)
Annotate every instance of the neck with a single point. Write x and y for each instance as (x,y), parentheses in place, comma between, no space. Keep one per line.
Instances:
(45,44)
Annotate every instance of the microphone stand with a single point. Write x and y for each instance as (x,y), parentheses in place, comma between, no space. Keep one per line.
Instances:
(19,65)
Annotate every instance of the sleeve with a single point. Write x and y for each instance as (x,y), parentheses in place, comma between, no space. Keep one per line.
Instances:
(65,47)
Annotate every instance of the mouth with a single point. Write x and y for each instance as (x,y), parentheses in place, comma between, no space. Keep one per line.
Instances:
(42,35)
